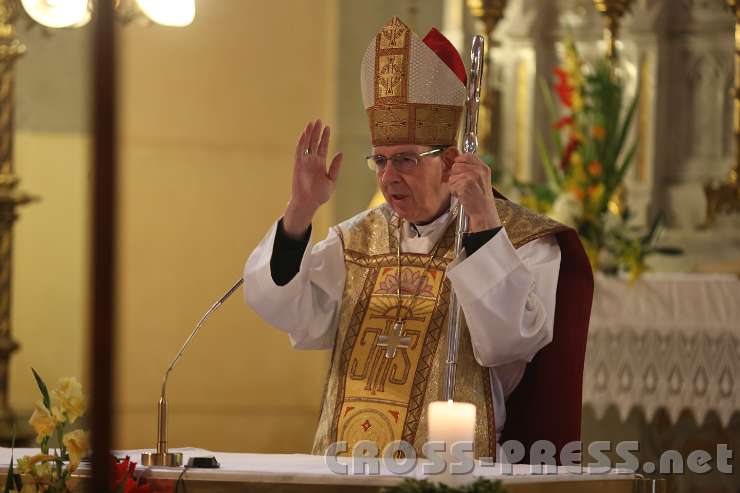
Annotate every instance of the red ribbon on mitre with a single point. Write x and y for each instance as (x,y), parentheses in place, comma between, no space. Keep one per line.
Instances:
(445,50)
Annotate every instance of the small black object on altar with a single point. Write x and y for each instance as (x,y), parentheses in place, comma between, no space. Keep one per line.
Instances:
(203,463)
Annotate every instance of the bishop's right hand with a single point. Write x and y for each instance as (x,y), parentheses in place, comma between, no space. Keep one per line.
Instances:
(312,183)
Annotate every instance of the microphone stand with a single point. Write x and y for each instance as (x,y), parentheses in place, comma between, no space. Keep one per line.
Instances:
(162,457)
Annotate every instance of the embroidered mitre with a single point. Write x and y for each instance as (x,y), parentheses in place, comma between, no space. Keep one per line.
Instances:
(413,90)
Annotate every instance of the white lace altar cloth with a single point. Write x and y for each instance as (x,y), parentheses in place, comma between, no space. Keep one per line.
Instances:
(668,341)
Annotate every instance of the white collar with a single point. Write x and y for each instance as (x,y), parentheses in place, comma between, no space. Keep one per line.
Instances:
(424,230)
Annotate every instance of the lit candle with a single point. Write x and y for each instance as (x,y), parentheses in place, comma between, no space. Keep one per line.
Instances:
(451,422)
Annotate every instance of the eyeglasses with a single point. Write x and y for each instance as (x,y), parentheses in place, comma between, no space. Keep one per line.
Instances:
(403,161)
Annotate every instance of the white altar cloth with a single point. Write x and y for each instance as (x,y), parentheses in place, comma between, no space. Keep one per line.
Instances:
(312,469)
(668,341)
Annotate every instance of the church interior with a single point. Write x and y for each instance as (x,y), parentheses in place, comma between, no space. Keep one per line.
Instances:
(208,114)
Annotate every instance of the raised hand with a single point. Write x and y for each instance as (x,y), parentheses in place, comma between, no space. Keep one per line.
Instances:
(470,182)
(313,185)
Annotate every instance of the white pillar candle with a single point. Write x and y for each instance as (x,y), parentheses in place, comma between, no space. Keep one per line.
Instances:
(451,422)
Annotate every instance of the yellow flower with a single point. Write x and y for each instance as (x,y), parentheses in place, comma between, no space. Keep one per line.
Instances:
(24,465)
(27,464)
(577,178)
(77,443)
(42,421)
(43,471)
(577,102)
(68,398)
(597,193)
(572,64)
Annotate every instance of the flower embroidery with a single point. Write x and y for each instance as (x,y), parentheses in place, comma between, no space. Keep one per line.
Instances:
(412,282)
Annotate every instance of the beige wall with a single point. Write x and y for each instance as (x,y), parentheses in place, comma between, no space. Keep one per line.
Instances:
(210,115)
(50,263)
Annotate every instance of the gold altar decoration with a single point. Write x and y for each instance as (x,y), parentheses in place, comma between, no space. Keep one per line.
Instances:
(50,14)
(489,13)
(613,11)
(725,197)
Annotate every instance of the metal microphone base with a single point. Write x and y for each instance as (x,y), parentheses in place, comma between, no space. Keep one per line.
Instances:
(167,459)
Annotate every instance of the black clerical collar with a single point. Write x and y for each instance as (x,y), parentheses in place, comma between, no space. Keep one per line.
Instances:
(419,228)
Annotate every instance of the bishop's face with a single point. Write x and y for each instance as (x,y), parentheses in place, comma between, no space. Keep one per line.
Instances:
(418,194)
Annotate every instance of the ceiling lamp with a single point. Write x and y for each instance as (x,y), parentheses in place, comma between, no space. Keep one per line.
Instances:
(169,12)
(58,13)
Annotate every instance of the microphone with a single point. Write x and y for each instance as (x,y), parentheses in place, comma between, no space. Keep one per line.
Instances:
(162,457)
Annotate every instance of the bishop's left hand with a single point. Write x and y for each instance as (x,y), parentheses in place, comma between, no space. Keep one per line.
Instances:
(470,182)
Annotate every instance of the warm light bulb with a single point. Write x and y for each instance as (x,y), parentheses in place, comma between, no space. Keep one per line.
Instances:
(58,13)
(169,12)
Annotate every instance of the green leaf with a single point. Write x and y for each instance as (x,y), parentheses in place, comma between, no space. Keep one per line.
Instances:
(613,154)
(553,175)
(44,390)
(9,479)
(619,176)
(650,236)
(552,113)
(670,251)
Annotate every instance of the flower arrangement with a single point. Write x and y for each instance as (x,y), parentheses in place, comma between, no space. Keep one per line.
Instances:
(584,185)
(51,469)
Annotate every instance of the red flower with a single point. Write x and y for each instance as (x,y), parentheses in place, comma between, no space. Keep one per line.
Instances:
(120,469)
(123,473)
(568,152)
(564,90)
(566,121)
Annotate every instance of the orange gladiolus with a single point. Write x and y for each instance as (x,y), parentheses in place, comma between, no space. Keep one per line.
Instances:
(595,169)
(578,193)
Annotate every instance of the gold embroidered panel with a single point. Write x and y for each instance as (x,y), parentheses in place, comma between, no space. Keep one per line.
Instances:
(377,390)
(425,124)
(392,47)
(523,225)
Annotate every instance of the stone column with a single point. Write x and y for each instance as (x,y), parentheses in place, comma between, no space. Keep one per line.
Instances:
(696,136)
(645,62)
(524,59)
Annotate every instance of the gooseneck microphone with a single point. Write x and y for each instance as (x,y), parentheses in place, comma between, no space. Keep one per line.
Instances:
(162,457)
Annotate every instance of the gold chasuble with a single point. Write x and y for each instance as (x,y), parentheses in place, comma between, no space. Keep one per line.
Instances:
(370,396)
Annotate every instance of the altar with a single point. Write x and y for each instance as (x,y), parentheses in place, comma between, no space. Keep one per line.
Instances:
(663,367)
(309,473)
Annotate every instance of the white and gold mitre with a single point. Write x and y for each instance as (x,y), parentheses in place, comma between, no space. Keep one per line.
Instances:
(413,89)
